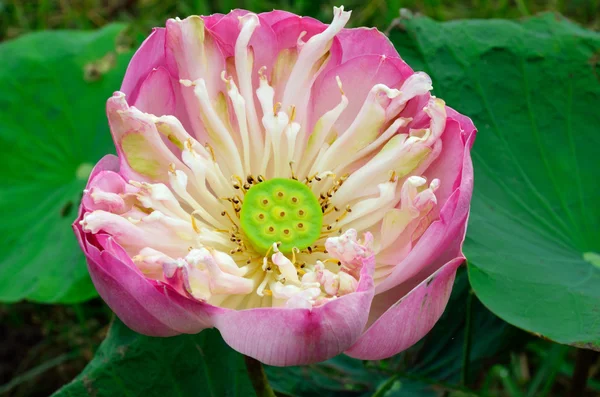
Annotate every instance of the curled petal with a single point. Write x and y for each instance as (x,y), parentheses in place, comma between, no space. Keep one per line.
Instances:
(149,56)
(106,191)
(156,93)
(349,250)
(445,234)
(144,305)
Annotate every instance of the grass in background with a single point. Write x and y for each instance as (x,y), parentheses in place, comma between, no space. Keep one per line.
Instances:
(21,16)
(42,347)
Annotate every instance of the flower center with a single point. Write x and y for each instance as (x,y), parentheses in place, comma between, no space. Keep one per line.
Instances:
(281,211)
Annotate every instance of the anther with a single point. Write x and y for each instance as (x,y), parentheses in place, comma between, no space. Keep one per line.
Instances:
(291,163)
(212,152)
(195,225)
(260,178)
(339,83)
(240,182)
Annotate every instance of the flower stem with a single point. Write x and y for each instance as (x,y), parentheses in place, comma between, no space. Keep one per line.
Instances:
(258,378)
(464,376)
(584,361)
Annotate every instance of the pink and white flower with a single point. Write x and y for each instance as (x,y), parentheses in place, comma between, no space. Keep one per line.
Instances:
(291,183)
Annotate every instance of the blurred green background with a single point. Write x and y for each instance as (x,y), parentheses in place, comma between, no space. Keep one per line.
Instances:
(22,16)
(43,347)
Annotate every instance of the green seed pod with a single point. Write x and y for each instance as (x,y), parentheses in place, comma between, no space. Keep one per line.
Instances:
(281,210)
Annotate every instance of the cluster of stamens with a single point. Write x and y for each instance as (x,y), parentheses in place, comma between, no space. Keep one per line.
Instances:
(242,236)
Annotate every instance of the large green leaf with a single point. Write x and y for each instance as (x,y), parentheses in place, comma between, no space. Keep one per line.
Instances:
(53,129)
(533,90)
(130,364)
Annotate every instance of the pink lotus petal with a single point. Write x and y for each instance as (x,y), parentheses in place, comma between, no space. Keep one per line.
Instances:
(358,76)
(365,41)
(156,94)
(144,306)
(409,319)
(289,30)
(272,17)
(107,163)
(149,56)
(281,336)
(263,41)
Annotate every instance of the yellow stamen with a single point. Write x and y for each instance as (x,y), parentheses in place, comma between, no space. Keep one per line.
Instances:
(212,151)
(194,224)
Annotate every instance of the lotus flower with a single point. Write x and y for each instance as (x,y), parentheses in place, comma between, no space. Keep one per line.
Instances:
(291,183)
